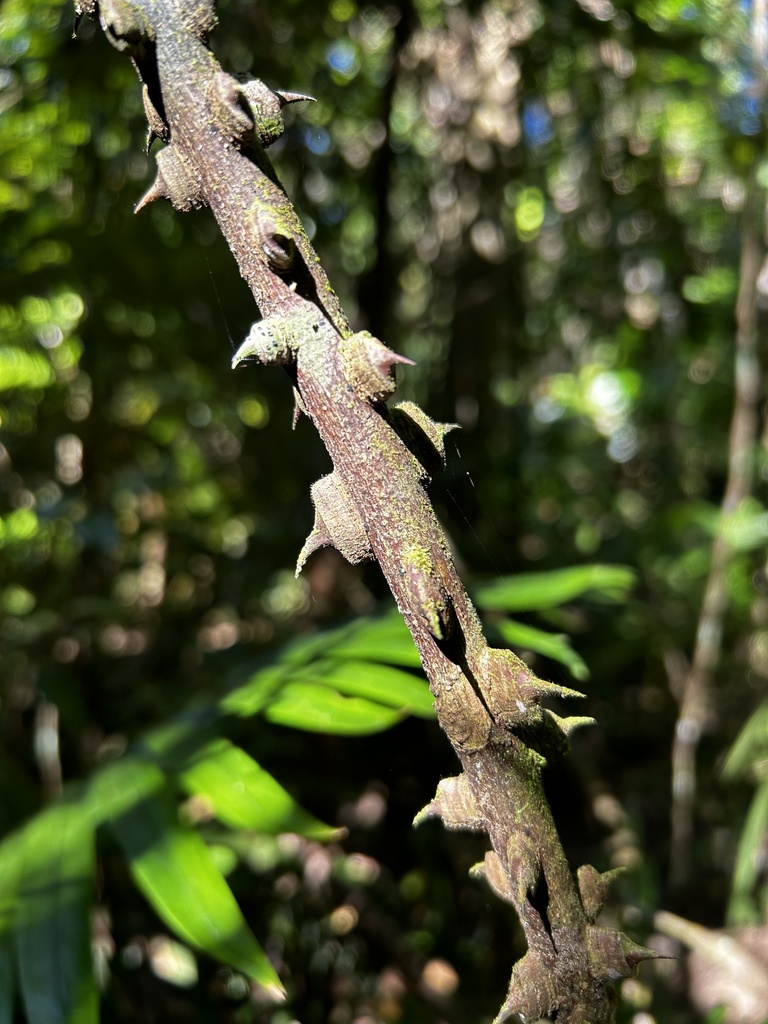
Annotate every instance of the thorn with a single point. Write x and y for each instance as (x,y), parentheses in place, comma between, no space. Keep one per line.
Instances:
(368,364)
(298,408)
(293,97)
(151,136)
(568,725)
(430,811)
(157,190)
(158,129)
(615,954)
(245,351)
(381,357)
(541,688)
(318,538)
(393,358)
(636,954)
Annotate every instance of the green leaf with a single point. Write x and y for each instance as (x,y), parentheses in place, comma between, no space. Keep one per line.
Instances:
(750,746)
(174,869)
(52,928)
(551,645)
(253,696)
(742,907)
(117,787)
(382,683)
(537,591)
(319,709)
(244,795)
(301,697)
(384,639)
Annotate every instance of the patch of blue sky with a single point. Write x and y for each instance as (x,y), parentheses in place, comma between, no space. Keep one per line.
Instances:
(317,140)
(537,124)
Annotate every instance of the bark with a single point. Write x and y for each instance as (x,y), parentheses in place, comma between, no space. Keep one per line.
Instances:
(375,505)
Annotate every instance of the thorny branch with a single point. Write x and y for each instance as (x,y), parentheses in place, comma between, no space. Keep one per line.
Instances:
(374,503)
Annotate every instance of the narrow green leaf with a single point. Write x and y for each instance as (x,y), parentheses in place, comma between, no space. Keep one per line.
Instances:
(319,709)
(536,591)
(743,908)
(244,795)
(551,645)
(384,639)
(382,683)
(174,869)
(53,931)
(750,746)
(114,789)
(253,696)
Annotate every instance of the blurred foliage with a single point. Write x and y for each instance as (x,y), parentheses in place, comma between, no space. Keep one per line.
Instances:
(543,206)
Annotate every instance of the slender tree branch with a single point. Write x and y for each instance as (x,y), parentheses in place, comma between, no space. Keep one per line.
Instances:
(376,284)
(374,504)
(695,700)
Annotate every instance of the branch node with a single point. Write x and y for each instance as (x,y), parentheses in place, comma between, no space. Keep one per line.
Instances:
(337,523)
(456,804)
(594,887)
(369,366)
(248,110)
(176,181)
(275,340)
(125,24)
(422,436)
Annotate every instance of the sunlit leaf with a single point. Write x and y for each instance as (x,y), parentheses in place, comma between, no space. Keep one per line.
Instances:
(320,709)
(52,928)
(174,869)
(243,795)
(537,591)
(254,695)
(385,639)
(382,683)
(551,645)
(117,787)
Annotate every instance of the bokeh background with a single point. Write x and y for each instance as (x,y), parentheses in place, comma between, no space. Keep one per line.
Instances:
(557,210)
